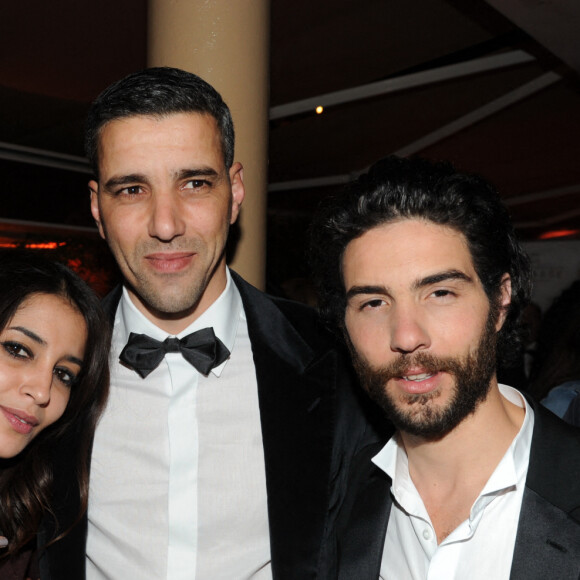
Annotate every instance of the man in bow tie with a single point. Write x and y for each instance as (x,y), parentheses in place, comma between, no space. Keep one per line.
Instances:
(231,416)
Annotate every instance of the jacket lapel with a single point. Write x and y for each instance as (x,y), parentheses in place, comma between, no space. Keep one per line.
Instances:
(548,536)
(296,387)
(547,542)
(110,303)
(362,525)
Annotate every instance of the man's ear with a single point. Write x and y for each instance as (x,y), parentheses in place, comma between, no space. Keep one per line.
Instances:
(505,299)
(238,189)
(94,188)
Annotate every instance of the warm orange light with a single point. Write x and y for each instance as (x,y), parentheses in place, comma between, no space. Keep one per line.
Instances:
(558,234)
(319,109)
(46,246)
(8,245)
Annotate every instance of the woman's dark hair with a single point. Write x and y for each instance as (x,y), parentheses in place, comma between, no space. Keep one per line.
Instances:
(25,480)
(395,189)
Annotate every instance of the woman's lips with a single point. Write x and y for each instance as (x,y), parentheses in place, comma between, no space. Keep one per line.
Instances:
(20,421)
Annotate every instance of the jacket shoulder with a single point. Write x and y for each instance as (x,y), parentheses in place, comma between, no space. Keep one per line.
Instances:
(267,311)
(555,462)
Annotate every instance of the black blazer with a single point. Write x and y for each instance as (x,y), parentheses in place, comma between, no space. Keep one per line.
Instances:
(548,538)
(312,425)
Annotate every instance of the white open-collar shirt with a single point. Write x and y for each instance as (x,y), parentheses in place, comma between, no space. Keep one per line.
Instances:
(481,547)
(178,487)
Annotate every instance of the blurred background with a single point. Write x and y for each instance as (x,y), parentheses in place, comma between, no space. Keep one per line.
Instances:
(492,86)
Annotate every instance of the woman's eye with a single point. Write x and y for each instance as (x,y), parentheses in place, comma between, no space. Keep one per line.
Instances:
(65,376)
(16,349)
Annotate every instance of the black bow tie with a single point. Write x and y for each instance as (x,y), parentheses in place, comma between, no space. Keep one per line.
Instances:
(202,349)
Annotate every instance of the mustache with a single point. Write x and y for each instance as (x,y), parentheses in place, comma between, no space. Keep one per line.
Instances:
(426,362)
(175,245)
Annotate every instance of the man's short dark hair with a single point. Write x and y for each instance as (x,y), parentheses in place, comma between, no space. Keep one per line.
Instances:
(158,92)
(395,189)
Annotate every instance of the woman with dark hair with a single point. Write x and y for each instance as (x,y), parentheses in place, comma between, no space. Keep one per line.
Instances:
(54,343)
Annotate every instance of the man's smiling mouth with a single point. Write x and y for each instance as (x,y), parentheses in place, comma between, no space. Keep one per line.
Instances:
(420,377)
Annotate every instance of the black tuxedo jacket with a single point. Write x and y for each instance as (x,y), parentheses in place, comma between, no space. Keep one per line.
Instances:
(312,425)
(548,537)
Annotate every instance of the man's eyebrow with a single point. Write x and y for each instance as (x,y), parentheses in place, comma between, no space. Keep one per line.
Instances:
(130,179)
(442,277)
(197,172)
(358,290)
(134,178)
(421,283)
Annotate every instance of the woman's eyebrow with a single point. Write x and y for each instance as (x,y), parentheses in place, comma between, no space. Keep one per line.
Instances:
(29,334)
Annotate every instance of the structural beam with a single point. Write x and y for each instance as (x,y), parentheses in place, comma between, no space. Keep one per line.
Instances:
(436,75)
(541,195)
(479,114)
(439,134)
(45,158)
(555,24)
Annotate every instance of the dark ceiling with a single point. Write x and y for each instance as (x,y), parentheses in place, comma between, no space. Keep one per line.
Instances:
(495,93)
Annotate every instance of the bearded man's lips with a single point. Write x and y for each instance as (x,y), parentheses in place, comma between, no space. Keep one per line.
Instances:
(418,382)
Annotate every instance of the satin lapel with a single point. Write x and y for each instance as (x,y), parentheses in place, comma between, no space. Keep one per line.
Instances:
(548,536)
(362,525)
(547,542)
(297,410)
(111,301)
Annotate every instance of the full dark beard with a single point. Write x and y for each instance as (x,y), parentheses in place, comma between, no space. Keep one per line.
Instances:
(414,414)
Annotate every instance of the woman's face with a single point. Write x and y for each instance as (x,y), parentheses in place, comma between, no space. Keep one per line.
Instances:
(41,354)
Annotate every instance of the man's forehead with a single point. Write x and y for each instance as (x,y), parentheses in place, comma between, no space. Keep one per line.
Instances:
(129,122)
(190,128)
(415,225)
(414,247)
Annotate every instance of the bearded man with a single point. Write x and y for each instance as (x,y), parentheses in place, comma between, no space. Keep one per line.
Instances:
(419,268)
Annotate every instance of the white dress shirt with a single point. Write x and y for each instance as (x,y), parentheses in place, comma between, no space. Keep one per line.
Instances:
(481,547)
(178,486)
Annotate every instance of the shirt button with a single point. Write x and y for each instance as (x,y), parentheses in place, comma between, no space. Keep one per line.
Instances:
(427,533)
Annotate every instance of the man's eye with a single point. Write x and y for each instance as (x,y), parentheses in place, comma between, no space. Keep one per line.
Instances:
(65,376)
(442,293)
(196,184)
(371,304)
(131,190)
(16,349)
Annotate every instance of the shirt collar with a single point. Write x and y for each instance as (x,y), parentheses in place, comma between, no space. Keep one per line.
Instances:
(223,316)
(392,458)
(514,464)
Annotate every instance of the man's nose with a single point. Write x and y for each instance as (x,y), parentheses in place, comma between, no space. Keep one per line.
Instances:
(409,329)
(166,216)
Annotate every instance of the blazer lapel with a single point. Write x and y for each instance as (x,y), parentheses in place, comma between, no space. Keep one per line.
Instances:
(111,301)
(296,387)
(362,525)
(548,536)
(547,542)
